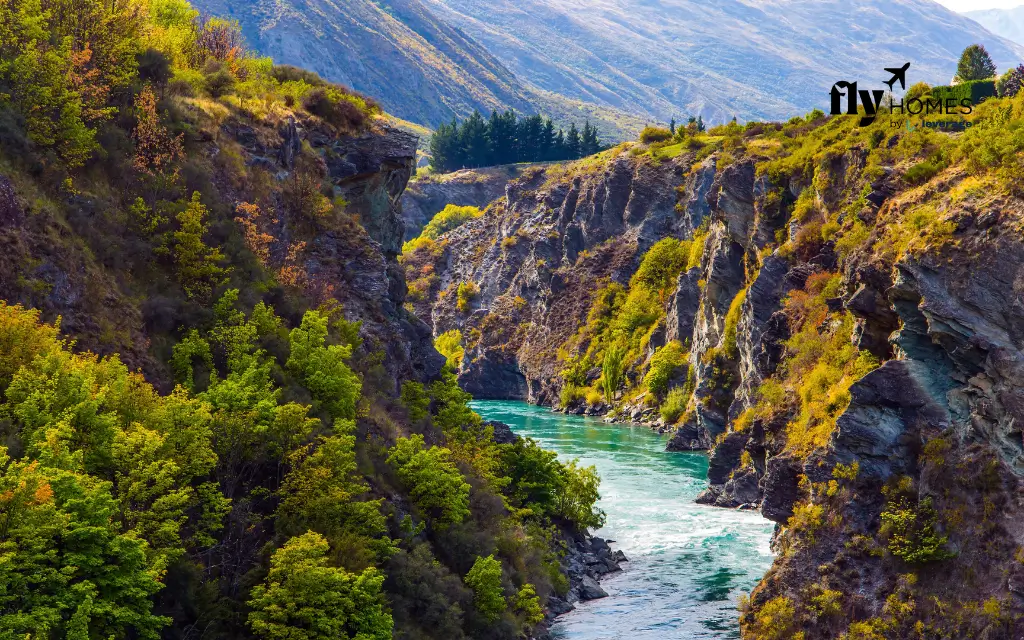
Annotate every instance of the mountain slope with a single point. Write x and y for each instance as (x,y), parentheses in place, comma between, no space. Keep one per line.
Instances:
(667,58)
(1008,23)
(420,68)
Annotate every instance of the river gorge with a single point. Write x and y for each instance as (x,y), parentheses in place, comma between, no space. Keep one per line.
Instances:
(688,563)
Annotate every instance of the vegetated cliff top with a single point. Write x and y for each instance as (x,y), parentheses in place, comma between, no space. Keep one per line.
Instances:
(754,60)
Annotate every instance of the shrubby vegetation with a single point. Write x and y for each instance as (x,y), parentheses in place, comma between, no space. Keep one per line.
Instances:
(620,324)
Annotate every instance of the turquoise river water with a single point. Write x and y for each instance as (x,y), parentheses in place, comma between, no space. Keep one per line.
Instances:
(688,563)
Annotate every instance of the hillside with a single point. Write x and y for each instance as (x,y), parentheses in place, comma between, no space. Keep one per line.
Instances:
(217,417)
(1008,23)
(832,311)
(420,68)
(754,60)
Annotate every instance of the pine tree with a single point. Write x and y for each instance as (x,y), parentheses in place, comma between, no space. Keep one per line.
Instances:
(573,143)
(547,140)
(672,126)
(975,64)
(473,141)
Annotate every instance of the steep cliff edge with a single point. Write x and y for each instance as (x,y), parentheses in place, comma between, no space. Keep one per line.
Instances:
(840,332)
(426,196)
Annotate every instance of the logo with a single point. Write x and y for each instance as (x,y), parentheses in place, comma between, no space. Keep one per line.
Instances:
(873,102)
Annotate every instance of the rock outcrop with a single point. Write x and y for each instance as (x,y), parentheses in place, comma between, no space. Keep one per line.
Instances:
(424,197)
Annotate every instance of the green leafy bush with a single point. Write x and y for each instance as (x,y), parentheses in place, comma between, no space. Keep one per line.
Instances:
(465,295)
(655,134)
(611,371)
(449,344)
(575,501)
(304,598)
(323,367)
(674,405)
(975,91)
(921,172)
(434,482)
(666,363)
(484,578)
(910,527)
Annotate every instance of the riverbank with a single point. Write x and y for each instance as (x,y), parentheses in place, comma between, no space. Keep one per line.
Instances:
(688,563)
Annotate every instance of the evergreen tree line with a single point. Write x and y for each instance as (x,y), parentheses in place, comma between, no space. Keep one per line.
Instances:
(506,138)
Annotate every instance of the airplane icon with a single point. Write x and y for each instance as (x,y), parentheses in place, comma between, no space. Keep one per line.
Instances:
(898,74)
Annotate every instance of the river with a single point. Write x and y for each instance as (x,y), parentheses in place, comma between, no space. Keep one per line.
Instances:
(688,563)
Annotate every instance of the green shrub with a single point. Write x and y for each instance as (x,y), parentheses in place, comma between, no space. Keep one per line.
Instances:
(576,370)
(571,394)
(921,172)
(612,371)
(304,597)
(655,134)
(665,365)
(467,292)
(576,499)
(674,406)
(535,476)
(975,91)
(527,604)
(434,482)
(910,529)
(732,320)
(662,264)
(776,620)
(451,217)
(339,107)
(449,344)
(323,367)
(484,578)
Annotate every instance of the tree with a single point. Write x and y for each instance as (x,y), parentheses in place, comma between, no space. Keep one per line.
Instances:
(473,140)
(322,492)
(527,602)
(68,571)
(535,475)
(197,263)
(1010,83)
(484,578)
(303,598)
(322,367)
(573,144)
(611,371)
(975,64)
(434,482)
(577,498)
(156,150)
(41,89)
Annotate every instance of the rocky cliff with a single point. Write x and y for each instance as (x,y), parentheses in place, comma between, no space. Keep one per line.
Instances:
(425,196)
(848,350)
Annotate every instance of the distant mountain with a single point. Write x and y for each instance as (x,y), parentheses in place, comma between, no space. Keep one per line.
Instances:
(745,58)
(1008,23)
(420,68)
(619,63)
